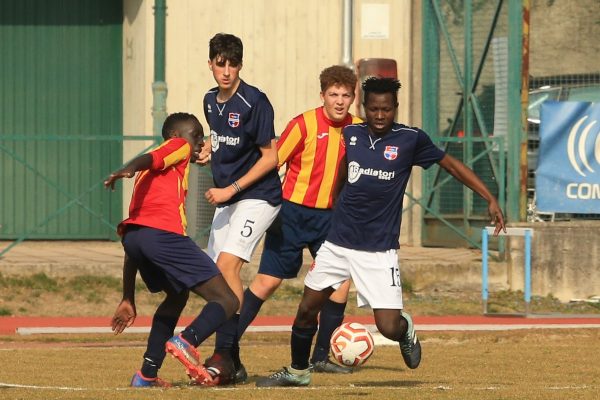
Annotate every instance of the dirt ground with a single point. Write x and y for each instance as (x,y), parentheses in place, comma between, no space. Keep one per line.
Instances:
(536,364)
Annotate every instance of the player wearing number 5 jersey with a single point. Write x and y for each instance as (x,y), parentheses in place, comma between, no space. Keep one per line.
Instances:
(365,228)
(243,156)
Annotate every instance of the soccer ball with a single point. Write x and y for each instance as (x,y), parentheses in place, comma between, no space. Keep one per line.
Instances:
(351,344)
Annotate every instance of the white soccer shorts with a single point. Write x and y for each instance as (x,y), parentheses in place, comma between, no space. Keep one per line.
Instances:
(237,228)
(376,275)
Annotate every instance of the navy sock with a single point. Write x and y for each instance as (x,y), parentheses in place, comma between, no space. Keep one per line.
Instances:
(162,329)
(206,323)
(301,342)
(332,316)
(227,335)
(250,308)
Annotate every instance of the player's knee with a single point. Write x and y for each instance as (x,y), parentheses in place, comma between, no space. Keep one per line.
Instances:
(307,315)
(230,303)
(263,286)
(174,302)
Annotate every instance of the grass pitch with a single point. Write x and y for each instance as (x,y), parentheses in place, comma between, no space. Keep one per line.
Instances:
(533,364)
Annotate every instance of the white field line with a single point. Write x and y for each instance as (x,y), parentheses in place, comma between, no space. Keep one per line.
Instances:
(287,328)
(253,388)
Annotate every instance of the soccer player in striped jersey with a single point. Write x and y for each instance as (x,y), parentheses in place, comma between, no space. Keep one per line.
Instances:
(364,237)
(243,156)
(311,147)
(156,245)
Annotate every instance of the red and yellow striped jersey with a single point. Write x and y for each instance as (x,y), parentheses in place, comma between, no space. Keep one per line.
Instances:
(312,147)
(158,199)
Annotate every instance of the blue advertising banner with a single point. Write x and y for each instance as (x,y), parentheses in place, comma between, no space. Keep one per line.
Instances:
(568,171)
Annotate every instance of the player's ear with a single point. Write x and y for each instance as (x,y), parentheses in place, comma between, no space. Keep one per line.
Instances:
(210,65)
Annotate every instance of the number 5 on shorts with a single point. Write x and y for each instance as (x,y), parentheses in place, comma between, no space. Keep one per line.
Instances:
(247,229)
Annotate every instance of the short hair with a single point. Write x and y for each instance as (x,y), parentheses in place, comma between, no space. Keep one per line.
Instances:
(337,75)
(172,122)
(228,46)
(380,86)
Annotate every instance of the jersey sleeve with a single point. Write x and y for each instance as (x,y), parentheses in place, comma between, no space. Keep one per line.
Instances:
(289,142)
(261,122)
(426,153)
(172,152)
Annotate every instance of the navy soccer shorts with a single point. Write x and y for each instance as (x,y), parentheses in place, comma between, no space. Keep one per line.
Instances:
(295,228)
(162,256)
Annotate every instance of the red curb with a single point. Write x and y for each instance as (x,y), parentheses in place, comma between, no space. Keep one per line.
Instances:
(9,325)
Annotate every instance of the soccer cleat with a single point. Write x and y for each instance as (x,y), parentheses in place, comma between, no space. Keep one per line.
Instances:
(329,367)
(241,376)
(409,345)
(140,380)
(285,377)
(187,354)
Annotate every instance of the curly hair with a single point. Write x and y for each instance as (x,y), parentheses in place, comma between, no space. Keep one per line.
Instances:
(380,86)
(337,75)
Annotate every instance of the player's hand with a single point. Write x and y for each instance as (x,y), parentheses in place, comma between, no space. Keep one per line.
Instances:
(203,157)
(124,316)
(115,176)
(216,196)
(497,217)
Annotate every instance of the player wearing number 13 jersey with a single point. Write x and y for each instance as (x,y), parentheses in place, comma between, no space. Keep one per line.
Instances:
(363,240)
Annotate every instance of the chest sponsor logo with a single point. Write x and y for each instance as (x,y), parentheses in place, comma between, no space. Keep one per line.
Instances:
(390,152)
(208,109)
(216,140)
(355,171)
(353,141)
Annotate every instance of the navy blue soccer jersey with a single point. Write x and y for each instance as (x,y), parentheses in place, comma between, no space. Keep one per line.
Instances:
(238,128)
(367,215)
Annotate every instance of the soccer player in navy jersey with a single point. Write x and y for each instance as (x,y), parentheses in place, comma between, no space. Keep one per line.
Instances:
(363,241)
(243,156)
(311,147)
(155,242)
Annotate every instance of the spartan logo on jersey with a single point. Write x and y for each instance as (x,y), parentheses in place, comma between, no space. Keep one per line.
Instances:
(234,120)
(390,152)
(355,171)
(216,140)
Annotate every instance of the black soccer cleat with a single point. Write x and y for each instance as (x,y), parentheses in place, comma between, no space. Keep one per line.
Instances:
(410,347)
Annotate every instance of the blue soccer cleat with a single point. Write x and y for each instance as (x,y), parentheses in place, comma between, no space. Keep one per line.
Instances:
(140,380)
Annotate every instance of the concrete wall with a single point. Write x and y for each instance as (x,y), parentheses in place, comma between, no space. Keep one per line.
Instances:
(565,260)
(286,45)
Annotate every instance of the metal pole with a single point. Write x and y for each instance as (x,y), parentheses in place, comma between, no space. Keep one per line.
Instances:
(527,270)
(159,86)
(484,269)
(515,130)
(468,104)
(347,34)
(524,109)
